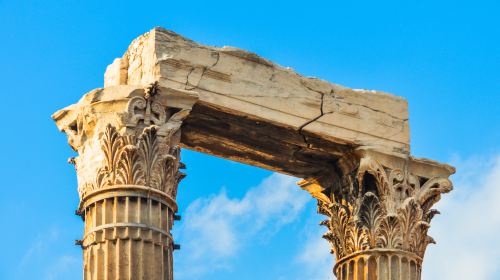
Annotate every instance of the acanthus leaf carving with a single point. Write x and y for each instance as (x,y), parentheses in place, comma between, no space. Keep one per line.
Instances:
(409,215)
(339,227)
(344,237)
(389,236)
(129,167)
(110,146)
(130,160)
(150,158)
(370,217)
(377,207)
(145,153)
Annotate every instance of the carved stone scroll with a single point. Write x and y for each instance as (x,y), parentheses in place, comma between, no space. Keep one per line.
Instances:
(128,172)
(352,146)
(378,216)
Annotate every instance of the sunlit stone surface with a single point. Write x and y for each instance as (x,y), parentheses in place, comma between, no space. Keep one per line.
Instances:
(351,147)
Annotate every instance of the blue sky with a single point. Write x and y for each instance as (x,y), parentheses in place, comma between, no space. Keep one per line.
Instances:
(441,55)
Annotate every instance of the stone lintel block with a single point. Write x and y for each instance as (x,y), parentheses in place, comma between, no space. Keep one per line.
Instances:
(244,84)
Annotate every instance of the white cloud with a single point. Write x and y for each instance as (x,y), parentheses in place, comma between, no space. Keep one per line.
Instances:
(39,247)
(61,266)
(41,255)
(216,228)
(315,257)
(467,231)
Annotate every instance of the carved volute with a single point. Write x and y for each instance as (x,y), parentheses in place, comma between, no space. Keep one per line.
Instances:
(378,201)
(128,170)
(379,210)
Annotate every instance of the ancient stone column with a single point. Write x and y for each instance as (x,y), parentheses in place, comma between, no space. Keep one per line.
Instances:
(379,209)
(377,200)
(127,140)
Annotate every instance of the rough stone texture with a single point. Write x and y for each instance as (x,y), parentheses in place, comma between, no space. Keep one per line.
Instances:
(351,147)
(379,211)
(238,86)
(127,139)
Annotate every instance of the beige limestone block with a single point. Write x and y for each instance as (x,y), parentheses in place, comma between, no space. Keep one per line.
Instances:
(242,83)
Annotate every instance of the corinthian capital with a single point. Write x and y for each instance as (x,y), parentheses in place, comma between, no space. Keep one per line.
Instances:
(126,135)
(379,206)
(127,140)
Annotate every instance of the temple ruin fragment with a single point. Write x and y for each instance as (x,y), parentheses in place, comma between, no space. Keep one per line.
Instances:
(350,147)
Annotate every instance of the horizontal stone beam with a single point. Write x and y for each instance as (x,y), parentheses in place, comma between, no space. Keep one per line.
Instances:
(238,87)
(251,110)
(351,147)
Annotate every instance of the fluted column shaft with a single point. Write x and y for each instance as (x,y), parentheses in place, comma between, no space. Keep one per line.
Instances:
(379,264)
(129,208)
(128,169)
(127,234)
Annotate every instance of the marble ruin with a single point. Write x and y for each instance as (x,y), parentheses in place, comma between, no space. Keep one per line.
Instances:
(350,147)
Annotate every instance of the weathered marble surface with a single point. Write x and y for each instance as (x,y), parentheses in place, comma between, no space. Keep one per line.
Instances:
(236,86)
(351,147)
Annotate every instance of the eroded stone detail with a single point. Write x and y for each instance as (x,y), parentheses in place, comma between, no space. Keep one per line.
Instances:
(128,172)
(149,159)
(138,161)
(378,210)
(127,135)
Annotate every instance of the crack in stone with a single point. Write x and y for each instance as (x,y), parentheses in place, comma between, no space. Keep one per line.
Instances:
(187,78)
(311,89)
(376,110)
(316,118)
(353,104)
(301,128)
(205,69)
(272,77)
(217,60)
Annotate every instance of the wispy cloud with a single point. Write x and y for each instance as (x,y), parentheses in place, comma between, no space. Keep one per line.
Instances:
(61,266)
(39,246)
(315,256)
(51,265)
(467,232)
(216,228)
